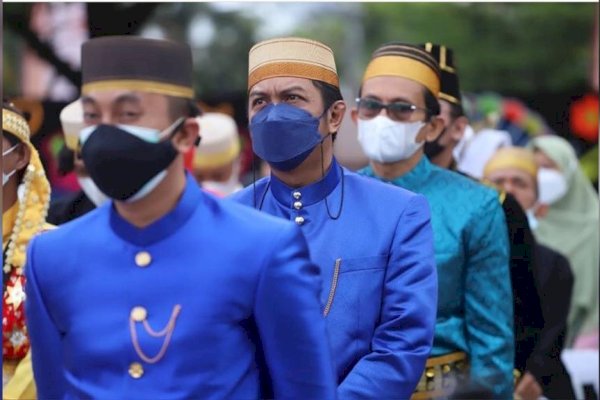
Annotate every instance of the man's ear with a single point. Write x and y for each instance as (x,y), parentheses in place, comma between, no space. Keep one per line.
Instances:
(458,127)
(335,116)
(432,129)
(24,154)
(187,136)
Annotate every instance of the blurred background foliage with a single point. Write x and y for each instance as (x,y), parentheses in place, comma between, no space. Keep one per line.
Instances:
(512,48)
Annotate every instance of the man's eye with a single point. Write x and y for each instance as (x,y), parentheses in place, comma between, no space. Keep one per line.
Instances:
(292,97)
(87,116)
(257,102)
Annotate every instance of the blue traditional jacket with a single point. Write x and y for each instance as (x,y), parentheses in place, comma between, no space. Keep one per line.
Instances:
(176,309)
(374,245)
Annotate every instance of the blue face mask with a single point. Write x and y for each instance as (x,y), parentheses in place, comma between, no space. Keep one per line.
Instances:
(284,135)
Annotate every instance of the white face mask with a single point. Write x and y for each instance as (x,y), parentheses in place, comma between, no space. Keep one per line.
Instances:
(228,187)
(532,219)
(6,177)
(91,191)
(552,186)
(385,141)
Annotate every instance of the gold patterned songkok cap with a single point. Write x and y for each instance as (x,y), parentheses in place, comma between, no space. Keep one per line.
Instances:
(294,57)
(405,61)
(511,157)
(220,144)
(139,64)
(35,198)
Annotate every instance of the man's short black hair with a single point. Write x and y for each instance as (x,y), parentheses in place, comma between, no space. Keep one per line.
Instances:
(329,94)
(456,110)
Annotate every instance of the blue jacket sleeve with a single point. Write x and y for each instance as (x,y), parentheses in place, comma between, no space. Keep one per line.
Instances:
(290,323)
(44,336)
(488,301)
(402,341)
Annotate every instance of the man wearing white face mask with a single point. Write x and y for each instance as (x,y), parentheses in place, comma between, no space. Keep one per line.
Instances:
(90,196)
(217,159)
(570,227)
(514,170)
(396,113)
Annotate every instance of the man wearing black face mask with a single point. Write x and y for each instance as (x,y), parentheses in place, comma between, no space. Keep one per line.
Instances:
(372,241)
(151,298)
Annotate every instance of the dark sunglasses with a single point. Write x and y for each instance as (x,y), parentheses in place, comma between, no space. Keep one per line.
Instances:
(397,111)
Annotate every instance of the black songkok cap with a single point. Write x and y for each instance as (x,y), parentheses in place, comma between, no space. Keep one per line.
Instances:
(450,89)
(134,63)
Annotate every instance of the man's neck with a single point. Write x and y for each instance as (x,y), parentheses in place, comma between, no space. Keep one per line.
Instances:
(157,203)
(394,170)
(311,170)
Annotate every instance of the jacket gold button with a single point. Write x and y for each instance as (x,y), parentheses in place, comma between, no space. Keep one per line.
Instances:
(136,370)
(299,220)
(138,314)
(297,195)
(297,205)
(143,259)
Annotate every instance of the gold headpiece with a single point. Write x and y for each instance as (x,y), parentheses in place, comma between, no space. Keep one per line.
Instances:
(512,157)
(296,57)
(405,61)
(35,198)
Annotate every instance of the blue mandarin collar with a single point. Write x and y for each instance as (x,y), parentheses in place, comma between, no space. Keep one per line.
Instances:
(310,194)
(163,227)
(413,179)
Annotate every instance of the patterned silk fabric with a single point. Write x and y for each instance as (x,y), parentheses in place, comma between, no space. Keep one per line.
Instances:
(472,256)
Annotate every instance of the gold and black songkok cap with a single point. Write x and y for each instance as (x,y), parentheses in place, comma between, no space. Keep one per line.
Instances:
(135,63)
(444,56)
(405,61)
(292,56)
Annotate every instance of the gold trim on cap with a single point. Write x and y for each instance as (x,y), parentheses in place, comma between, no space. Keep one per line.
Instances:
(15,124)
(403,67)
(293,69)
(167,89)
(447,97)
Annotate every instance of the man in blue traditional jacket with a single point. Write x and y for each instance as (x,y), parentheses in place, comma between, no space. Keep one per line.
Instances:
(397,112)
(373,242)
(151,297)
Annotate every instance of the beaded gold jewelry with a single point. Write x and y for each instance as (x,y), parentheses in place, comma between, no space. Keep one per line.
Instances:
(35,199)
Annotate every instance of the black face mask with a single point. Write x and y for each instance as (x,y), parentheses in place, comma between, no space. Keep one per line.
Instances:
(432,149)
(121,164)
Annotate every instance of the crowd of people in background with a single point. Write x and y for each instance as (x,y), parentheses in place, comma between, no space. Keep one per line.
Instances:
(454,264)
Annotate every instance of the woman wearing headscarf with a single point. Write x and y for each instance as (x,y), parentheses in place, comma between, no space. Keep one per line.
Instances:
(570,225)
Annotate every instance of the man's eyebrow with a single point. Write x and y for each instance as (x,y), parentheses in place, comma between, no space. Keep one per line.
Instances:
(257,93)
(128,97)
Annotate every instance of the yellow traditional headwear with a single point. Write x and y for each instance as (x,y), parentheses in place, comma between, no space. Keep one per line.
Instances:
(405,61)
(296,57)
(511,157)
(220,142)
(35,199)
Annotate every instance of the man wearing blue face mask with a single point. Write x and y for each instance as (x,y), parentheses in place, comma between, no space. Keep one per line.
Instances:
(373,242)
(151,298)
(397,113)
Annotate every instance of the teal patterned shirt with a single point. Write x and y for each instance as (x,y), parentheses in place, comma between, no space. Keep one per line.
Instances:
(472,256)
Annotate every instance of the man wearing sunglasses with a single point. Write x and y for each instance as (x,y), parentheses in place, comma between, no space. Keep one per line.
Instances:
(397,112)
(373,242)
